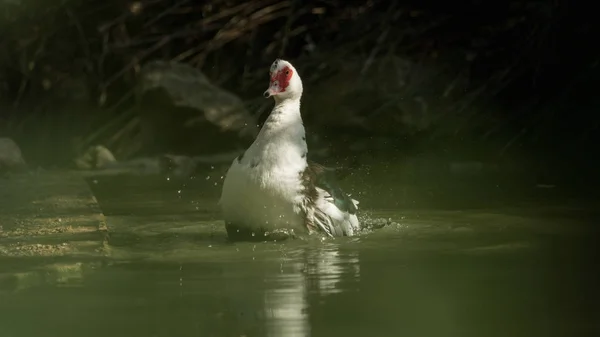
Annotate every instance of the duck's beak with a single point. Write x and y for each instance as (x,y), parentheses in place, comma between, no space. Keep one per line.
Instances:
(273,89)
(268,93)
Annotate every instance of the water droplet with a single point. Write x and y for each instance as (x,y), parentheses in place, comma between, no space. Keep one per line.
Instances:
(207,177)
(179,191)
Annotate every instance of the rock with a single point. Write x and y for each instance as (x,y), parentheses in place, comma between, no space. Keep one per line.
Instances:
(11,158)
(95,157)
(182,111)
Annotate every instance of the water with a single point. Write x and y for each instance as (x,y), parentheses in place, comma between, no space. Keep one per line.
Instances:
(473,261)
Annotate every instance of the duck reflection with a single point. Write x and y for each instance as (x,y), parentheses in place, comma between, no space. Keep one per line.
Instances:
(327,268)
(316,271)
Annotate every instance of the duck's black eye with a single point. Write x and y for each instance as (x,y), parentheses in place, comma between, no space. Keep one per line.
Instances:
(287,72)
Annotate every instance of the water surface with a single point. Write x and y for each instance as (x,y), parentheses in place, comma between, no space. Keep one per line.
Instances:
(478,261)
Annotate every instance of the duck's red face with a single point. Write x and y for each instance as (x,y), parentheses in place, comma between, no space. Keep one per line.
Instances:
(280,79)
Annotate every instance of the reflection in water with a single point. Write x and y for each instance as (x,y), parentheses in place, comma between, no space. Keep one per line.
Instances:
(328,266)
(286,290)
(286,295)
(251,295)
(286,303)
(57,274)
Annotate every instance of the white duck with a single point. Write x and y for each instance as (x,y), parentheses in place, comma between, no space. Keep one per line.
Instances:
(272,188)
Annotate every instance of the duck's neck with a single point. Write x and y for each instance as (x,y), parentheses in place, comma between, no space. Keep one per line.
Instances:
(284,120)
(281,142)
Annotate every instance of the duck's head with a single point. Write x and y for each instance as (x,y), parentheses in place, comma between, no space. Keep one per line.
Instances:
(285,83)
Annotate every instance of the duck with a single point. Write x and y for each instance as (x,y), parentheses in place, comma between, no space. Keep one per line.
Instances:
(273,190)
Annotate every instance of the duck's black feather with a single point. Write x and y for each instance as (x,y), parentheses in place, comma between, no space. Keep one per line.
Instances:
(327,179)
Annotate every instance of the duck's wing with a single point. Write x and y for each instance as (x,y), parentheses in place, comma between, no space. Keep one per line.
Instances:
(329,209)
(326,178)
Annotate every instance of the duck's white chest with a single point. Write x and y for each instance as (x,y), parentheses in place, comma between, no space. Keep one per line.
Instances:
(249,202)
(263,190)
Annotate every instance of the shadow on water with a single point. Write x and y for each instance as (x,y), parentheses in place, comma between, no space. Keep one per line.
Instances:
(506,267)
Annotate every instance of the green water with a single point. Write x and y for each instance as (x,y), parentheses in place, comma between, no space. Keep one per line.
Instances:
(462,259)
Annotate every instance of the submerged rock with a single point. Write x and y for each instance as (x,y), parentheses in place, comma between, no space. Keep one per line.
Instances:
(182,111)
(101,159)
(11,158)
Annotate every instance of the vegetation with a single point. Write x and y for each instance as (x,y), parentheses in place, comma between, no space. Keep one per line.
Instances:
(481,70)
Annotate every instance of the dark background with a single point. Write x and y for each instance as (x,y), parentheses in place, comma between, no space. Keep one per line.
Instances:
(524,75)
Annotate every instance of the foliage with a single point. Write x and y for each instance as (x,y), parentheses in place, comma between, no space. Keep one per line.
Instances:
(93,50)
